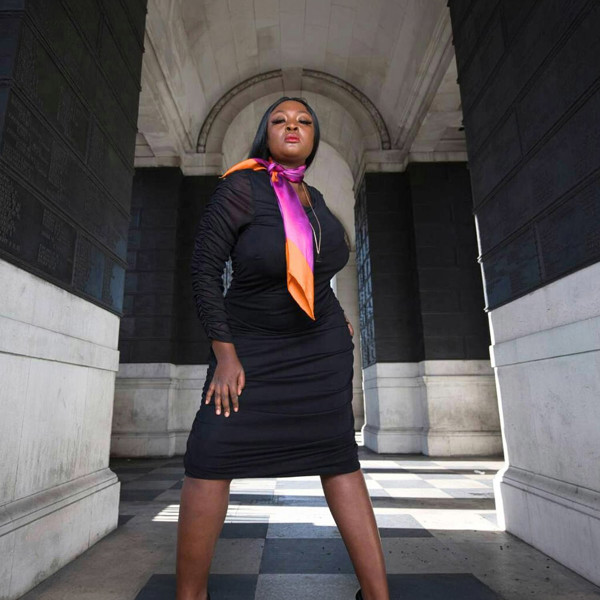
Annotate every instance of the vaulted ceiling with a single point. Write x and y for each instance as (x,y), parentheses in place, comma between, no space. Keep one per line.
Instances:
(383,70)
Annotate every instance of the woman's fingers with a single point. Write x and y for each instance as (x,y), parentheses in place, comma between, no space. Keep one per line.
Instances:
(241,382)
(225,395)
(210,392)
(218,400)
(234,399)
(350,328)
(225,400)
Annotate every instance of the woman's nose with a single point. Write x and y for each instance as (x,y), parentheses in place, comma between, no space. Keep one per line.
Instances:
(291,126)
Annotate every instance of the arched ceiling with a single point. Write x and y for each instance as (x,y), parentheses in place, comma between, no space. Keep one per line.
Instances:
(395,53)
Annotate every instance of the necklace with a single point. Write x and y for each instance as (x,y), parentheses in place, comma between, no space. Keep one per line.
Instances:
(317,243)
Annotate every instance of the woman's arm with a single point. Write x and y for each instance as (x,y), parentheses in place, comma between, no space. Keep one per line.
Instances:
(228,210)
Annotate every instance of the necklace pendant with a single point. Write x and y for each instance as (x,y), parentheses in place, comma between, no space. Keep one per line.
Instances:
(318,257)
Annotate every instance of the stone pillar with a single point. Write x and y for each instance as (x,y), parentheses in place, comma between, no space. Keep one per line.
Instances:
(531,104)
(391,339)
(428,382)
(164,350)
(69,87)
(459,395)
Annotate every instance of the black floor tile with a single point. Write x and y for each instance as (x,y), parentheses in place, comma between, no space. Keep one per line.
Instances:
(305,556)
(392,532)
(132,470)
(123,519)
(245,530)
(221,587)
(153,476)
(140,495)
(454,586)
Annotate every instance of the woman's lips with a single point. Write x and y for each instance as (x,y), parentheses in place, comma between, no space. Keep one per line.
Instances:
(292,138)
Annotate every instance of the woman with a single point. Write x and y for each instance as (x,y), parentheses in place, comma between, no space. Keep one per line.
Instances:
(280,374)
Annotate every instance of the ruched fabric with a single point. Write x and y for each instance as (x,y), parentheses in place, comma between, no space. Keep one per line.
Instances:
(295,414)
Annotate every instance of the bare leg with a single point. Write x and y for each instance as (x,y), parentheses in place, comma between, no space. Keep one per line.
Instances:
(201,516)
(350,505)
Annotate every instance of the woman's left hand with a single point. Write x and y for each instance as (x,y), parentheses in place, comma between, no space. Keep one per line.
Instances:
(350,328)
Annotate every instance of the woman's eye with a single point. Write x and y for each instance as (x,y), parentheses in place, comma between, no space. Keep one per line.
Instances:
(277,121)
(305,122)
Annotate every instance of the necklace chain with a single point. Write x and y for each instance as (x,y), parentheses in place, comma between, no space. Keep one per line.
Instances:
(317,243)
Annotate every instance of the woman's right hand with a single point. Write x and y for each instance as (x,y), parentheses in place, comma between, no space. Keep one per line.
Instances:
(228,380)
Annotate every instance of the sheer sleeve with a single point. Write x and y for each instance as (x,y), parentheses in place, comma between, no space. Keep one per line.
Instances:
(228,211)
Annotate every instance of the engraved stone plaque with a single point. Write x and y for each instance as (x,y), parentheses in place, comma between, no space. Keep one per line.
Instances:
(34,233)
(69,84)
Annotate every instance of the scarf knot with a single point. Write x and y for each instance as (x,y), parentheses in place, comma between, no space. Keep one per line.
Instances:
(274,169)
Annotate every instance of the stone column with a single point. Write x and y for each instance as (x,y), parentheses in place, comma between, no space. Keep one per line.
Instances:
(164,350)
(429,386)
(459,395)
(69,88)
(531,105)
(391,339)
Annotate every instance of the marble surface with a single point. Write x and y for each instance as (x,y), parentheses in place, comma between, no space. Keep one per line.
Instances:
(279,539)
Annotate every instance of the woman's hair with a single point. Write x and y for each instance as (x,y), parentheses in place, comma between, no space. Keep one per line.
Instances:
(260,145)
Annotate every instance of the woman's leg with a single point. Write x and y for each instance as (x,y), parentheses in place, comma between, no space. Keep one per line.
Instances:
(201,515)
(350,505)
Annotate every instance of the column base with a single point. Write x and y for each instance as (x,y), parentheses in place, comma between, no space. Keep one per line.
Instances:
(155,406)
(437,408)
(43,532)
(560,519)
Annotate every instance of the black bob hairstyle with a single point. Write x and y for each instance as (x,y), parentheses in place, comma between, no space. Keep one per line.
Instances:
(260,146)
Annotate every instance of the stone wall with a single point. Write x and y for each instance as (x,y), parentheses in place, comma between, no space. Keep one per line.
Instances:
(69,87)
(530,90)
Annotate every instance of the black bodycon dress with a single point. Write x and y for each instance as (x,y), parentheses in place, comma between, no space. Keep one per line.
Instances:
(295,415)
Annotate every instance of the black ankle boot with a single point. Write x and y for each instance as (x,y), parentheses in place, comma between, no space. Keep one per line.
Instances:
(359,595)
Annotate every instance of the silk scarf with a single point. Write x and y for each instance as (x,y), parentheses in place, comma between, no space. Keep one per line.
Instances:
(298,231)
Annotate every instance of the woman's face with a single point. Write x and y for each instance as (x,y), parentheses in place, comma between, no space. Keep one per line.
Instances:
(290,133)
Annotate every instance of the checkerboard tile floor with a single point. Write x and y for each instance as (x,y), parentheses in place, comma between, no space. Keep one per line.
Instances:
(437,522)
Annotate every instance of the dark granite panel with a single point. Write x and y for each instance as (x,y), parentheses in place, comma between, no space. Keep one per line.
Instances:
(10,27)
(467,34)
(570,235)
(193,346)
(4,91)
(43,84)
(446,301)
(127,23)
(87,15)
(496,159)
(489,52)
(446,257)
(514,13)
(512,271)
(116,70)
(34,233)
(445,347)
(542,32)
(459,9)
(12,5)
(434,256)
(563,80)
(109,166)
(147,351)
(61,33)
(31,149)
(566,159)
(58,219)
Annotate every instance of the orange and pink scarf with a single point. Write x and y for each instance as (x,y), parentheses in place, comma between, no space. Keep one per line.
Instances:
(298,231)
